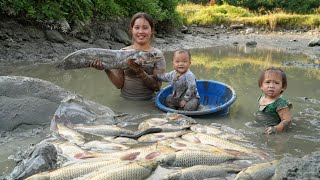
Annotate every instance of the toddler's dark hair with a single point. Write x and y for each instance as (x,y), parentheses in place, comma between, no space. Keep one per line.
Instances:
(182,51)
(273,70)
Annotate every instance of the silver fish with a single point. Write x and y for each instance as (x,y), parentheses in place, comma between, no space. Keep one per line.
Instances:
(102,130)
(111,59)
(200,172)
(258,171)
(155,137)
(134,171)
(70,134)
(103,146)
(72,171)
(190,158)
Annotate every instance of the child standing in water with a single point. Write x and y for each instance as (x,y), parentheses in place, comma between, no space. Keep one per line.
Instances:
(185,94)
(274,109)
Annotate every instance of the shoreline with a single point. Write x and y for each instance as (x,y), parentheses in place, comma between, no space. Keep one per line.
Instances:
(23,45)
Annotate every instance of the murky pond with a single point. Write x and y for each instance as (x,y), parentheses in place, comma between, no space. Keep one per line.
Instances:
(237,66)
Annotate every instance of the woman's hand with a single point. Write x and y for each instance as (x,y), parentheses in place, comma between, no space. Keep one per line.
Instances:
(97,64)
(135,67)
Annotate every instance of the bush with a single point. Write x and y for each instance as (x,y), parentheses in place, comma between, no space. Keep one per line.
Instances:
(163,11)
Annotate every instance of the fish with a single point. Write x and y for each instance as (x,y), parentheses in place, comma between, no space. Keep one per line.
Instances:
(72,171)
(200,172)
(121,140)
(218,132)
(143,133)
(70,134)
(111,59)
(102,130)
(205,129)
(132,171)
(135,154)
(67,149)
(188,158)
(260,171)
(167,124)
(103,146)
(160,136)
(221,143)
(180,144)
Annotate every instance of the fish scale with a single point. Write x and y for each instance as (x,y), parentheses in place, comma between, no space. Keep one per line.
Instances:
(72,171)
(200,172)
(133,171)
(189,158)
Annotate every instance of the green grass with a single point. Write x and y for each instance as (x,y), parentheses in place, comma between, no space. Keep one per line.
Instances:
(215,15)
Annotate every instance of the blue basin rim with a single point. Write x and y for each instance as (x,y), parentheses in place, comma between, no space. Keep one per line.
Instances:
(163,93)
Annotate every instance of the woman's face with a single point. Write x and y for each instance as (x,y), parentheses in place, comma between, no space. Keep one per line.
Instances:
(141,31)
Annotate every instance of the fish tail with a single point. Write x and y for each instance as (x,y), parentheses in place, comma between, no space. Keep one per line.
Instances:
(56,120)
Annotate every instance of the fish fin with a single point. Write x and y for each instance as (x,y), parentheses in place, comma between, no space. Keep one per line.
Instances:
(152,155)
(130,156)
(83,155)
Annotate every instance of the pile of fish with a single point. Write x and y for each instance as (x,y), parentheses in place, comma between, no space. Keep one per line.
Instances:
(172,142)
(111,59)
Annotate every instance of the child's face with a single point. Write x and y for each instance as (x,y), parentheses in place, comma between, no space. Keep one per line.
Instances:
(272,85)
(181,62)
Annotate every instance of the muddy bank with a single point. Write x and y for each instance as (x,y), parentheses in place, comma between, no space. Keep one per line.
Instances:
(25,45)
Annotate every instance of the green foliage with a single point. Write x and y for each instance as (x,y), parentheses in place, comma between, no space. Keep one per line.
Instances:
(290,6)
(210,15)
(163,11)
(106,8)
(227,14)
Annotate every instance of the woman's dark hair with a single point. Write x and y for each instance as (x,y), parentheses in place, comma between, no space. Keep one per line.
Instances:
(273,70)
(146,17)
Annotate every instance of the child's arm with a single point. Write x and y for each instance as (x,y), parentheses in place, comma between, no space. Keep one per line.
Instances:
(285,116)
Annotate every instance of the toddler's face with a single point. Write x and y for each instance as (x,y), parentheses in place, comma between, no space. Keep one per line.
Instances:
(181,62)
(272,85)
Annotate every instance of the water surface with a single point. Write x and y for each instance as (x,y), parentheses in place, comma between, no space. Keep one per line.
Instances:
(237,66)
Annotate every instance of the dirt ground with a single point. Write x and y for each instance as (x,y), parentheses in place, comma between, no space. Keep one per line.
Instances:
(25,45)
(291,41)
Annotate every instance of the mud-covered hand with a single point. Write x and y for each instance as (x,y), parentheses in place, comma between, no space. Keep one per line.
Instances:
(96,64)
(182,103)
(135,67)
(270,130)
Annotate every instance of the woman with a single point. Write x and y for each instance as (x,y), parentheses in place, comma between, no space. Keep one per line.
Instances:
(137,82)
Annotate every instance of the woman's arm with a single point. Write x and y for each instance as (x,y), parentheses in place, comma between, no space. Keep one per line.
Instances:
(116,77)
(148,80)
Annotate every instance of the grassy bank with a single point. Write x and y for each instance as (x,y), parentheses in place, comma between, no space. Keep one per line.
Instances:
(226,14)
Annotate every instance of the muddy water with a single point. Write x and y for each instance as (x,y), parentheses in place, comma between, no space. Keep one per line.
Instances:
(236,66)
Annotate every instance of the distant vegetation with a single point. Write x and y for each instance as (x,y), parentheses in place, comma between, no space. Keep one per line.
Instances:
(171,13)
(266,6)
(205,15)
(75,11)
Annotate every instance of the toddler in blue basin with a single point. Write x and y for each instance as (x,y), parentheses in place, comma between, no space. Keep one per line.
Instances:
(185,94)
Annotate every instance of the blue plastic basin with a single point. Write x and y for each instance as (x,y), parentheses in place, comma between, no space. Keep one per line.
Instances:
(215,98)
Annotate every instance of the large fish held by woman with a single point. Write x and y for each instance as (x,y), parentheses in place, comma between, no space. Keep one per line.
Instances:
(111,59)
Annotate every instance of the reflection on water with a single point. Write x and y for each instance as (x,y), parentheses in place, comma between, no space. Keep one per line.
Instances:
(236,66)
